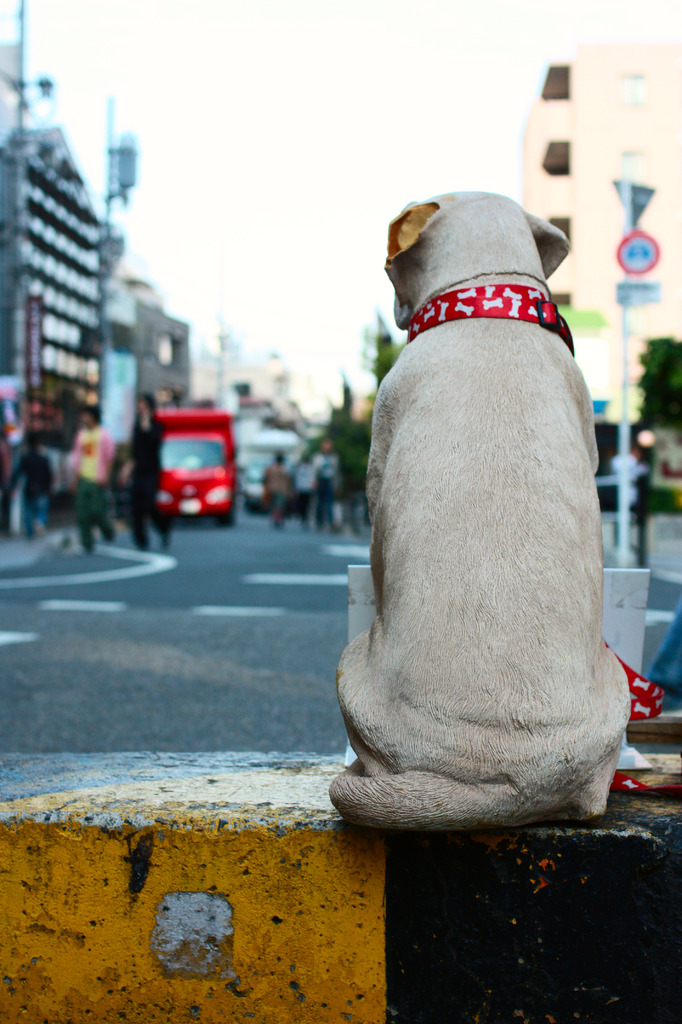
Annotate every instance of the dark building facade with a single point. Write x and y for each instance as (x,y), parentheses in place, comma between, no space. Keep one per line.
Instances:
(53,273)
(159,342)
(162,355)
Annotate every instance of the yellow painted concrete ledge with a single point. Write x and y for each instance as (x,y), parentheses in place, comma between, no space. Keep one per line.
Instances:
(156,891)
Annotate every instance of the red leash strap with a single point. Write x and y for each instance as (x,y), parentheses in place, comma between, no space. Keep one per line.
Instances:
(646,701)
(646,698)
(624,783)
(499,301)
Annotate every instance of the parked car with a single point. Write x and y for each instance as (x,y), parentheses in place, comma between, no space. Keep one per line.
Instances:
(252,485)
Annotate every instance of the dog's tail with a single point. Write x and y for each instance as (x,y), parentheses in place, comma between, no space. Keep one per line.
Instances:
(417,800)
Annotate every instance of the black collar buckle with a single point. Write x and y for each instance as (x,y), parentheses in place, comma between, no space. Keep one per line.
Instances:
(555,322)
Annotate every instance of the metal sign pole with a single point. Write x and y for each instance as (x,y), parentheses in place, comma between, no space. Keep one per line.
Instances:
(624,425)
(637,254)
(624,444)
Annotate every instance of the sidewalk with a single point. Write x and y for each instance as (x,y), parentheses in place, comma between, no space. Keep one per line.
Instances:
(17,552)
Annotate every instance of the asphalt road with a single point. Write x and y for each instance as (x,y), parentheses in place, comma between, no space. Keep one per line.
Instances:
(203,653)
(228,641)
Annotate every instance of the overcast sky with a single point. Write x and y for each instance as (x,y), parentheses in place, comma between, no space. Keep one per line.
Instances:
(279,137)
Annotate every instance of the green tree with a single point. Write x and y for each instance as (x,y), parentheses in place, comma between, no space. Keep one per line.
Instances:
(380,351)
(661,387)
(661,382)
(351,440)
(351,437)
(350,433)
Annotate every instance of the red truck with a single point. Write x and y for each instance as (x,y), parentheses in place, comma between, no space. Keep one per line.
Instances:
(198,471)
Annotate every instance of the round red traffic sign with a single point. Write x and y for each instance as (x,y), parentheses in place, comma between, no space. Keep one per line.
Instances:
(638,253)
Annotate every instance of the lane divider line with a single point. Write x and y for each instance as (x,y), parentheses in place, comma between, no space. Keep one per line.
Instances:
(82,606)
(350,551)
(150,563)
(236,611)
(16,638)
(294,579)
(654,616)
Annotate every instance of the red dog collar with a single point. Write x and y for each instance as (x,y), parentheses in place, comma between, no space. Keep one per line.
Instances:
(502,301)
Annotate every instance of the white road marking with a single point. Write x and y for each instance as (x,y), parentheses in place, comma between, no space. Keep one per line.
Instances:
(294,579)
(150,564)
(82,606)
(235,611)
(347,551)
(654,616)
(16,638)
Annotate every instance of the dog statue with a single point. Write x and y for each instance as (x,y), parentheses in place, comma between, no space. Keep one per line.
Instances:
(483,694)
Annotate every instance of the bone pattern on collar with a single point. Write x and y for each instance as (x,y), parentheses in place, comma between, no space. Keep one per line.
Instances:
(499,301)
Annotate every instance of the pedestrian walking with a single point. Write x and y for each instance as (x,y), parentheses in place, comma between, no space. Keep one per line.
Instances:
(143,473)
(636,468)
(5,477)
(34,467)
(304,482)
(326,468)
(92,456)
(277,483)
(666,668)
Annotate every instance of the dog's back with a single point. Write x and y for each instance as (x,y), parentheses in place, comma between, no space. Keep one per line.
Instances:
(483,694)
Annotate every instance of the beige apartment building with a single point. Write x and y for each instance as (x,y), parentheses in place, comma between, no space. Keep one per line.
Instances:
(613,113)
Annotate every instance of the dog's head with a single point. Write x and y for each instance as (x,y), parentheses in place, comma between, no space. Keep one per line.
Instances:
(435,245)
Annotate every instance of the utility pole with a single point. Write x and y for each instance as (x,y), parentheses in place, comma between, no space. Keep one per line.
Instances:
(18,283)
(15,284)
(120,177)
(105,255)
(227,397)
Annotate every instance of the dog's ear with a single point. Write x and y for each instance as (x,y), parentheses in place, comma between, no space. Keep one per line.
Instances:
(406,228)
(551,243)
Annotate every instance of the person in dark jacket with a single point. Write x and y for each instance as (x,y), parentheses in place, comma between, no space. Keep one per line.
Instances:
(35,468)
(143,471)
(5,477)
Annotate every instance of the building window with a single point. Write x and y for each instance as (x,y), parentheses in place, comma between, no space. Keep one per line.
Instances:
(558,83)
(563,224)
(558,158)
(165,350)
(633,90)
(633,168)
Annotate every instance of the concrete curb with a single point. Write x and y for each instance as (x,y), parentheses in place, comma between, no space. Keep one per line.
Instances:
(224,887)
(206,888)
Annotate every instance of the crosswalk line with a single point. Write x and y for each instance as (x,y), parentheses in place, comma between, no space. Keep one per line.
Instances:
(7,637)
(236,611)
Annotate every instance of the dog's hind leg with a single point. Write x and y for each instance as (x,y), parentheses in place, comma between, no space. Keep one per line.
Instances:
(421,800)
